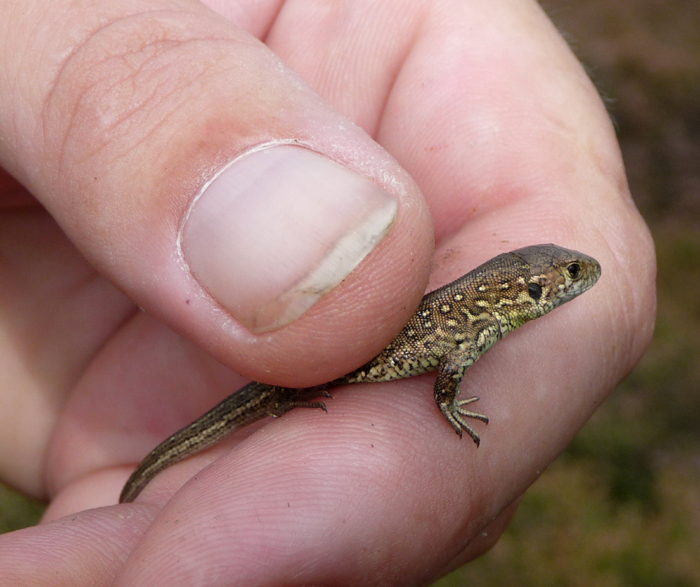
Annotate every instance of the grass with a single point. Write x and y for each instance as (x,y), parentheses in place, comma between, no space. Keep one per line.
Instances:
(17,511)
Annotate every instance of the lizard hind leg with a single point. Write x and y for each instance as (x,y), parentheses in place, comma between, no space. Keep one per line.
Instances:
(286,399)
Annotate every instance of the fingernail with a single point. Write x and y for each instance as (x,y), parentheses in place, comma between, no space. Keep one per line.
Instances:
(279,228)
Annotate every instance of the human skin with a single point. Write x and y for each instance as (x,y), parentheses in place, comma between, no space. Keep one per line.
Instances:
(112,118)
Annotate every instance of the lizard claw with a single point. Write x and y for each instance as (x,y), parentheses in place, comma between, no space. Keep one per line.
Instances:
(288,399)
(456,415)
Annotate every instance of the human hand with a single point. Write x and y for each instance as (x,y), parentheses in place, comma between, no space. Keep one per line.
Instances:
(116,123)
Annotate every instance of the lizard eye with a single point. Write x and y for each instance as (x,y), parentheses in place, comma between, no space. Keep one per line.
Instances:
(574,270)
(534,290)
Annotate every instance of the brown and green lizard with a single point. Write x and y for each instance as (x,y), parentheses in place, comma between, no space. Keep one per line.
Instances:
(452,327)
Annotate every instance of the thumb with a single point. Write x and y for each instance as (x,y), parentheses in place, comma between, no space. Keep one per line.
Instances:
(210,184)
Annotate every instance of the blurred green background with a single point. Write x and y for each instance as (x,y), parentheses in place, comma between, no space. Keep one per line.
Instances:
(621,507)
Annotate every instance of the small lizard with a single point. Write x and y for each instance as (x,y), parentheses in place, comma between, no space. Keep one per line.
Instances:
(452,327)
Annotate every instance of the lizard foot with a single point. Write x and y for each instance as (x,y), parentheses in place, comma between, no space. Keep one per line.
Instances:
(285,403)
(456,415)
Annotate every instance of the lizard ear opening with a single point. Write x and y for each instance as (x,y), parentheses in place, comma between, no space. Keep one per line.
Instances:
(534,290)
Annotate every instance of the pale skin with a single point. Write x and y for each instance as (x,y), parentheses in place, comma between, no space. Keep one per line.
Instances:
(485,107)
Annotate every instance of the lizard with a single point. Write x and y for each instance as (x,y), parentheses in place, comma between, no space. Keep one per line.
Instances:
(452,327)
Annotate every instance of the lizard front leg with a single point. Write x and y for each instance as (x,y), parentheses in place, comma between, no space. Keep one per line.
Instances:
(450,373)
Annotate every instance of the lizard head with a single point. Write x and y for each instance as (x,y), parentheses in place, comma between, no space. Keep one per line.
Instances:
(557,275)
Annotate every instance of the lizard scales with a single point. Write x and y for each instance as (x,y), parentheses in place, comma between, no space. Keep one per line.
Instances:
(452,327)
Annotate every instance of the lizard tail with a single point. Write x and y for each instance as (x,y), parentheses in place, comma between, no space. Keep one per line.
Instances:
(252,402)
